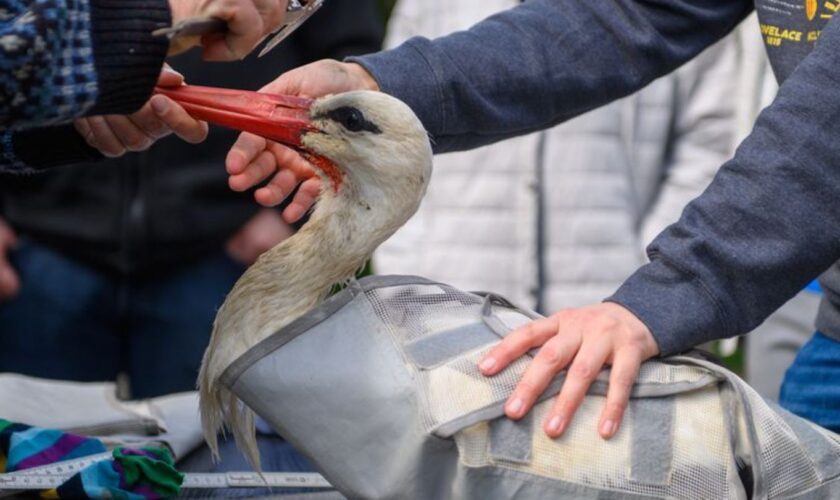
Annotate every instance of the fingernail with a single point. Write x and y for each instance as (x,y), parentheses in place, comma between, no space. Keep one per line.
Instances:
(554,424)
(159,105)
(607,428)
(515,406)
(487,364)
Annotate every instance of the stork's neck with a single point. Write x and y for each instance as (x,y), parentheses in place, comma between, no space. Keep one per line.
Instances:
(329,249)
(297,274)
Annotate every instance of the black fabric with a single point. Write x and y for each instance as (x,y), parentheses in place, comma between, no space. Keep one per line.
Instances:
(48,147)
(127,57)
(149,212)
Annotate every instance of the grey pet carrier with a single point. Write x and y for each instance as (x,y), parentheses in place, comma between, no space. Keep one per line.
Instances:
(379,387)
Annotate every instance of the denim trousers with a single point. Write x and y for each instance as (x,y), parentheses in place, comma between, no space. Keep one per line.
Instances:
(72,322)
(811,388)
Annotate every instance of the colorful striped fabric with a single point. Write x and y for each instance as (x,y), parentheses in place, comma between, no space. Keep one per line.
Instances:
(134,474)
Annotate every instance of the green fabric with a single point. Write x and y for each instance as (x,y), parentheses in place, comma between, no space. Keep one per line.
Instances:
(157,470)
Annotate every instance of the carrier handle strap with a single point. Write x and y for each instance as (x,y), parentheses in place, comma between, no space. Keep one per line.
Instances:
(489,317)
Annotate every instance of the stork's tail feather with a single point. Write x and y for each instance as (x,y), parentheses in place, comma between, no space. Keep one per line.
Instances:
(222,411)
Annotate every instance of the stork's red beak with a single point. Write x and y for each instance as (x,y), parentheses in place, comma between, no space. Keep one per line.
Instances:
(280,118)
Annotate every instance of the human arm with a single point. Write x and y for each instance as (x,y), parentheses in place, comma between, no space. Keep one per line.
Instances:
(91,138)
(764,228)
(526,68)
(65,59)
(543,62)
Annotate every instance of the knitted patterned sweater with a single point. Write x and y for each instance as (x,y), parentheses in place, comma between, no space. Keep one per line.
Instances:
(61,59)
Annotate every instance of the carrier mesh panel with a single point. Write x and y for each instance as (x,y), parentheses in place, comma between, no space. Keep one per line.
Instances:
(700,461)
(702,454)
(414,311)
(473,392)
(788,467)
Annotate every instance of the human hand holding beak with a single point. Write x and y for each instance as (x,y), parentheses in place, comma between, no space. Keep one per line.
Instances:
(114,135)
(252,159)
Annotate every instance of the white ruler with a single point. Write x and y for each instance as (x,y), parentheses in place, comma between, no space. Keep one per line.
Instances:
(53,475)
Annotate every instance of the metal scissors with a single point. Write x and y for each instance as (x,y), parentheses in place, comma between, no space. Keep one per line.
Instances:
(297,12)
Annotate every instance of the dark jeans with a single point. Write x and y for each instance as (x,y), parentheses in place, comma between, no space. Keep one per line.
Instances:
(811,388)
(72,322)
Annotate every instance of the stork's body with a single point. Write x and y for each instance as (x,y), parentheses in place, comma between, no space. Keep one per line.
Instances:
(374,158)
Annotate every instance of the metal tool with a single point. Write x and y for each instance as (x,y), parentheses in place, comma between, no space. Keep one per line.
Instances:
(53,475)
(297,12)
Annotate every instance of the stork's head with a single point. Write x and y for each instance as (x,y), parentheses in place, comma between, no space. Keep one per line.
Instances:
(373,144)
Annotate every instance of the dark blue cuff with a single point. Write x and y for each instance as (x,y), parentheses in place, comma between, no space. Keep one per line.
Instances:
(677,308)
(128,57)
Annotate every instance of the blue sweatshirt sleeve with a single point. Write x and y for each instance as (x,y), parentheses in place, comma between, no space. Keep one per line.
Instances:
(544,62)
(767,224)
(765,227)
(66,58)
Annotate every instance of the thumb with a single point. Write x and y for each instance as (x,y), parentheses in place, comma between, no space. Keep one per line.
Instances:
(289,83)
(169,77)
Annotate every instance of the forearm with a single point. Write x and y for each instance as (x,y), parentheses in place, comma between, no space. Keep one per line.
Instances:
(71,58)
(766,226)
(66,58)
(543,62)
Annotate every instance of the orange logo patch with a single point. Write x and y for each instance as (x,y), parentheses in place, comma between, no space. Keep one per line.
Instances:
(811,9)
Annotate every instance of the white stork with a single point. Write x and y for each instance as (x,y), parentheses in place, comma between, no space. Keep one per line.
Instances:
(375,160)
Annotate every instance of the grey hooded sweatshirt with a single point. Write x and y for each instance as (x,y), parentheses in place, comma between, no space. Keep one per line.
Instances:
(768,224)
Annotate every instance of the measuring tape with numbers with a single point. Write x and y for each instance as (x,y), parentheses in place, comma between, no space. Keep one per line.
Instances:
(53,475)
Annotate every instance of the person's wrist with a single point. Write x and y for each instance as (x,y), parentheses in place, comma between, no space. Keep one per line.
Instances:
(364,80)
(638,331)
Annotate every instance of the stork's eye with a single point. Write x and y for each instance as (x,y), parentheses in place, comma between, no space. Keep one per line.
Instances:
(353,120)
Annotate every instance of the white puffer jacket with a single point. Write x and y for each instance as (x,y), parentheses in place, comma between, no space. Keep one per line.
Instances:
(561,218)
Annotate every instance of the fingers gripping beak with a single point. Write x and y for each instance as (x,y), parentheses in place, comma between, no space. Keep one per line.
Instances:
(280,118)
